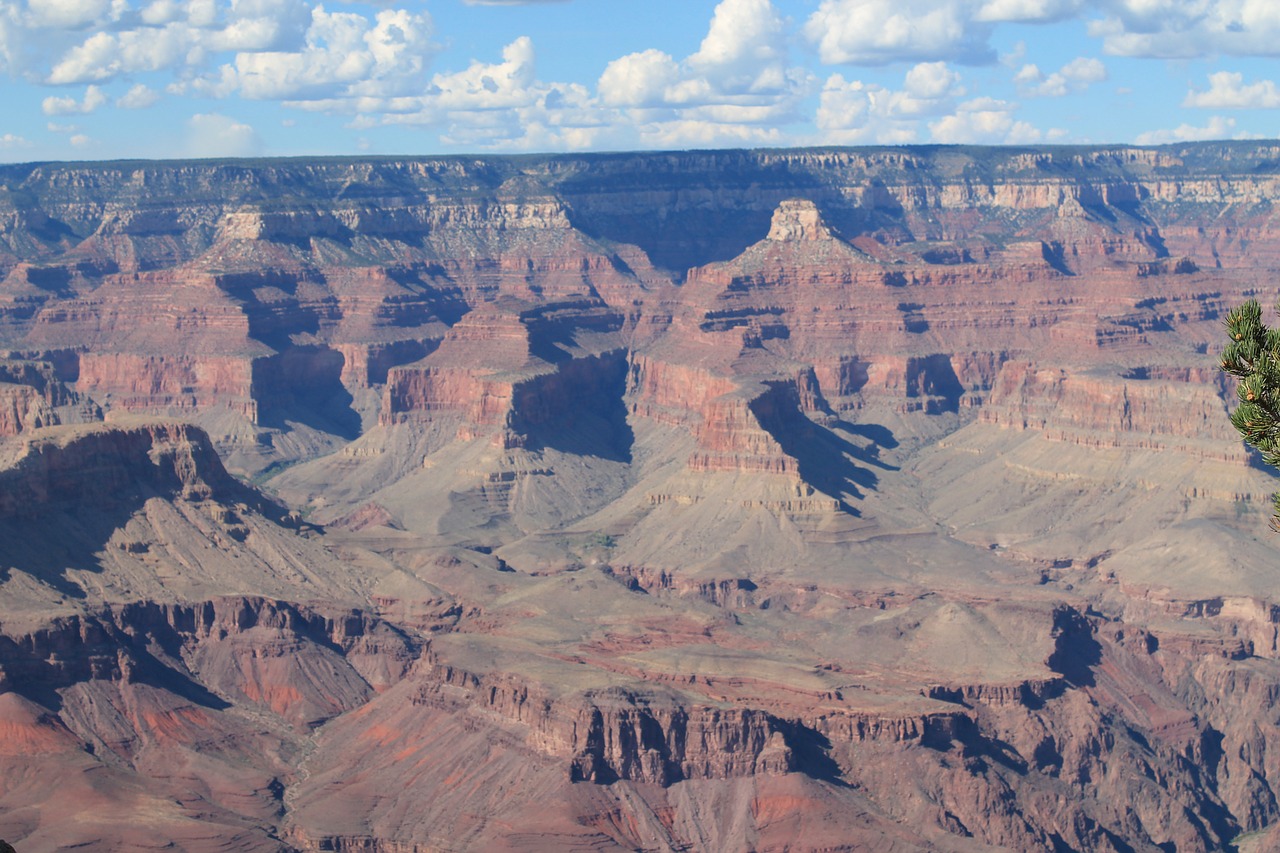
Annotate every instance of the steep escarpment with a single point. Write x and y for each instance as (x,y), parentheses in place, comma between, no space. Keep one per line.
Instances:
(195,713)
(826,499)
(104,466)
(33,395)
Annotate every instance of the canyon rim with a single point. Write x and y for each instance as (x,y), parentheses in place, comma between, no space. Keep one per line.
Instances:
(822,499)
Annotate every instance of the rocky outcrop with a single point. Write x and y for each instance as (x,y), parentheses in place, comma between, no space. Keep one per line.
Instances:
(33,395)
(854,499)
(107,465)
(1149,408)
(618,734)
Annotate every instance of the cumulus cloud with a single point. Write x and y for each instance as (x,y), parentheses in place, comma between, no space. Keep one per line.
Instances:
(104,56)
(55,106)
(853,112)
(489,105)
(1028,11)
(983,121)
(744,49)
(1217,128)
(1184,29)
(741,62)
(1228,91)
(343,54)
(1076,76)
(878,32)
(738,87)
(482,86)
(138,97)
(638,79)
(10,37)
(216,135)
(12,140)
(165,35)
(73,14)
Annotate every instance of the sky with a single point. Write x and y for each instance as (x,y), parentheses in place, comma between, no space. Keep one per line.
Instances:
(108,79)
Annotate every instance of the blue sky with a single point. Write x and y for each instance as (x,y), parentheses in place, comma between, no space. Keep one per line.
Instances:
(98,79)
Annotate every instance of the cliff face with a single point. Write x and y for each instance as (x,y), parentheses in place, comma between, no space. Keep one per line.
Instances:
(829,499)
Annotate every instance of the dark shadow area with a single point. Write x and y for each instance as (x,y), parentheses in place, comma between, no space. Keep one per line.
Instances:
(934,377)
(47,546)
(147,669)
(706,206)
(578,409)
(827,460)
(811,751)
(65,517)
(1076,649)
(1054,255)
(881,435)
(54,231)
(438,297)
(395,354)
(982,747)
(81,649)
(1155,240)
(304,385)
(913,319)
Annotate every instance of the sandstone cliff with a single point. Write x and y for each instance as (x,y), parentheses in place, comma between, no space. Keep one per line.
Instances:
(827,499)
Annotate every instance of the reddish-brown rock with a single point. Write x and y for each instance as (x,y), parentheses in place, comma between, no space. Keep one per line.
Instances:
(817,500)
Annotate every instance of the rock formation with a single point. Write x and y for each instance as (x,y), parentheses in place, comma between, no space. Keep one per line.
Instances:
(830,499)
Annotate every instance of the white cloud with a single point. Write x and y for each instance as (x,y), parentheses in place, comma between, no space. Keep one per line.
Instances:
(137,98)
(507,84)
(1217,128)
(744,49)
(741,62)
(167,35)
(1185,29)
(983,121)
(1076,76)
(1084,70)
(73,14)
(216,135)
(684,133)
(10,36)
(93,98)
(103,55)
(1227,91)
(344,55)
(489,105)
(931,81)
(81,140)
(1028,11)
(878,32)
(737,88)
(853,112)
(12,140)
(638,79)
(740,78)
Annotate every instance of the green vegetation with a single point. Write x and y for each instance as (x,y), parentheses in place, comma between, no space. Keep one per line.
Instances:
(1253,356)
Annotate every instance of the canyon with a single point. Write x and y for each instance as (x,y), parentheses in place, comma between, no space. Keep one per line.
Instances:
(831,499)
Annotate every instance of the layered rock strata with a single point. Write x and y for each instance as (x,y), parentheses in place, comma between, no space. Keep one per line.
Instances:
(827,499)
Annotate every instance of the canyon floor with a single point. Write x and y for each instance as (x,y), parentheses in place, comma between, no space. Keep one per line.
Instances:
(843,499)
